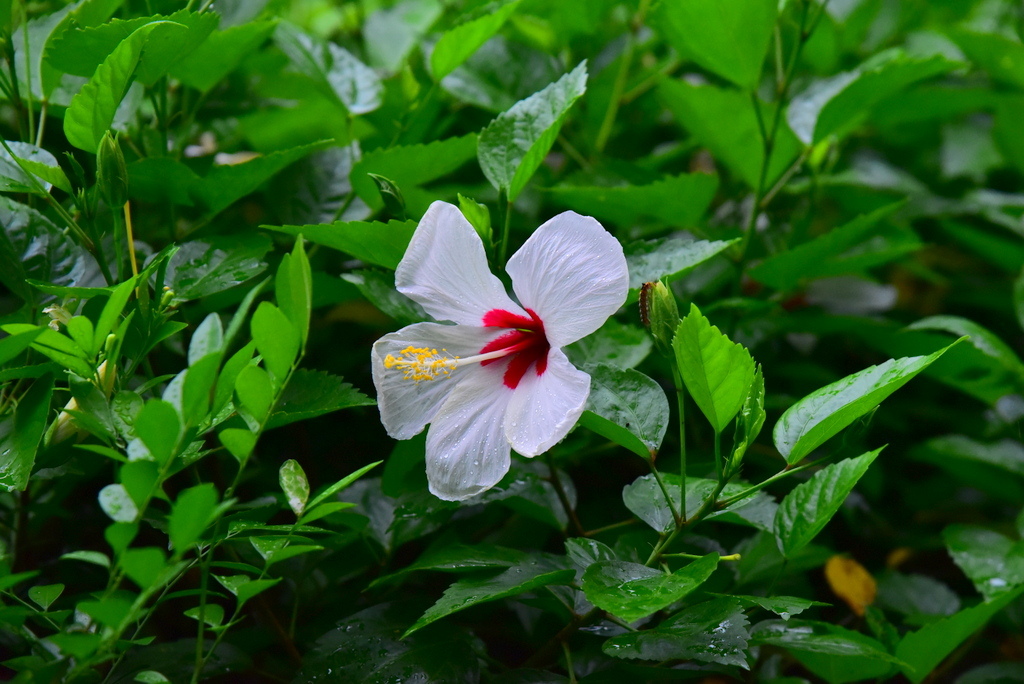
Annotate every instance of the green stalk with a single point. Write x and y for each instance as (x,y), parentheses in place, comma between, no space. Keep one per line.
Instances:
(504,204)
(680,399)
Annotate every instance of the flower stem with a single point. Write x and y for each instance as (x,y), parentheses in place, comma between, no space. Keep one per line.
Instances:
(680,399)
(785,472)
(668,497)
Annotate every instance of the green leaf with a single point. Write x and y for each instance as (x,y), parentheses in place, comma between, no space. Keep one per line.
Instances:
(197,388)
(515,143)
(714,631)
(341,484)
(628,408)
(840,251)
(501,73)
(314,393)
(807,509)
(159,428)
(111,314)
(668,258)
(12,345)
(191,515)
(31,246)
(207,339)
(819,637)
(677,201)
(245,588)
(725,122)
(295,485)
(293,287)
(982,339)
(57,347)
(20,433)
(531,574)
(922,651)
(822,414)
(749,421)
(238,442)
(391,33)
(728,38)
(202,268)
(109,610)
(255,391)
(783,606)
(44,595)
(212,614)
(718,373)
(379,289)
(457,44)
(916,595)
(1000,56)
(92,110)
(621,345)
(632,591)
(80,51)
(144,566)
(837,105)
(277,340)
(375,242)
(162,179)
(410,166)
(220,54)
(94,557)
(992,561)
(366,647)
(333,70)
(29,159)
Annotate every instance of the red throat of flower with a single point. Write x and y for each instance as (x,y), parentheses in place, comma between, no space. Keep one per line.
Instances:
(525,344)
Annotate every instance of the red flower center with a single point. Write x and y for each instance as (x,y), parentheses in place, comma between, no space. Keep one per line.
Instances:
(525,343)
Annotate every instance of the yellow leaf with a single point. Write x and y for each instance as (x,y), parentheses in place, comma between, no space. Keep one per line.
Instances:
(851,582)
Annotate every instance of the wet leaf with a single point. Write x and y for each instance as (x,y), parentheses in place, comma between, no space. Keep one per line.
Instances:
(714,632)
(807,509)
(632,591)
(628,408)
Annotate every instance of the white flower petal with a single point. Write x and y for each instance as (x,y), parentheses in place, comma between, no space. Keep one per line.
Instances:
(467,452)
(406,405)
(573,274)
(545,407)
(445,269)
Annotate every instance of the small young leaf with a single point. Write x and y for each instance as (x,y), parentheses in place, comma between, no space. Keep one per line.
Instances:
(718,373)
(277,340)
(293,287)
(212,614)
(44,595)
(295,485)
(159,428)
(191,515)
(238,442)
(144,566)
(207,339)
(255,391)
(807,509)
(514,144)
(116,503)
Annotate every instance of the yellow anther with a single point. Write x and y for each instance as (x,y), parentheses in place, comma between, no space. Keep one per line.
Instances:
(421,363)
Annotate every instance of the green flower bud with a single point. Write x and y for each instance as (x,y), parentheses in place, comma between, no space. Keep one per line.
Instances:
(111,172)
(660,314)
